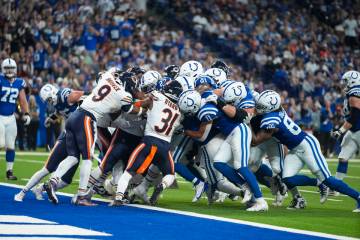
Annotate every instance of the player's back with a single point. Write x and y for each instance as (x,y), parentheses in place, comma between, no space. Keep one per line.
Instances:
(62,106)
(107,97)
(353,92)
(162,118)
(9,92)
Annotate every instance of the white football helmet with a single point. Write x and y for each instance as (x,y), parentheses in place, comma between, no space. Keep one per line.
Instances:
(48,94)
(235,91)
(189,102)
(218,74)
(191,69)
(187,83)
(148,81)
(351,79)
(268,101)
(9,68)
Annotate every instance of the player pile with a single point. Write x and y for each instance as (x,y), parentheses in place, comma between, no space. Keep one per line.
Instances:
(219,131)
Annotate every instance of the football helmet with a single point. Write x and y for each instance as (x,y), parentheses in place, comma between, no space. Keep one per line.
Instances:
(149,80)
(268,101)
(204,79)
(217,73)
(172,71)
(172,90)
(9,68)
(189,102)
(235,91)
(129,81)
(48,94)
(351,79)
(191,69)
(222,65)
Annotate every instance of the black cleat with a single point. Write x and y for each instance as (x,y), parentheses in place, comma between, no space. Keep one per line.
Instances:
(50,191)
(298,202)
(10,175)
(156,194)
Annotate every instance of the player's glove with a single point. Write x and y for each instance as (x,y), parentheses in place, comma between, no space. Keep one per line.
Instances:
(26,119)
(248,118)
(50,120)
(211,99)
(336,134)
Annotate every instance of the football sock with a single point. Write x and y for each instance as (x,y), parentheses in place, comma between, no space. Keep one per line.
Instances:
(123,182)
(299,180)
(10,158)
(85,170)
(229,173)
(168,180)
(295,192)
(36,178)
(64,166)
(341,170)
(251,181)
(184,172)
(341,187)
(228,187)
(263,172)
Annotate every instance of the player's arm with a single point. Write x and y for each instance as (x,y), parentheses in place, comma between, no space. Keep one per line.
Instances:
(204,127)
(354,104)
(262,136)
(74,96)
(24,107)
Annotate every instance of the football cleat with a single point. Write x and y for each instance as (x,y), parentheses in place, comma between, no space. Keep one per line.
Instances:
(83,201)
(282,186)
(297,203)
(247,194)
(279,199)
(37,191)
(156,194)
(19,197)
(50,191)
(221,197)
(334,193)
(259,206)
(324,193)
(210,194)
(119,200)
(141,193)
(357,210)
(10,175)
(199,190)
(233,197)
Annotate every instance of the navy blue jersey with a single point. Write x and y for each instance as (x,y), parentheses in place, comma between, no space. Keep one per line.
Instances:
(289,133)
(193,124)
(62,106)
(255,123)
(161,83)
(9,92)
(353,92)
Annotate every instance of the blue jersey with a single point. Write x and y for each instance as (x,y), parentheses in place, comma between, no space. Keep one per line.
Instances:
(193,124)
(161,83)
(353,92)
(289,133)
(255,123)
(62,106)
(9,93)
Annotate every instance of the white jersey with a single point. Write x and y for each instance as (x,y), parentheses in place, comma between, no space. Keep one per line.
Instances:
(130,123)
(107,97)
(163,118)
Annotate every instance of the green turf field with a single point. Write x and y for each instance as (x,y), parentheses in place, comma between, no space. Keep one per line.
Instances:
(334,217)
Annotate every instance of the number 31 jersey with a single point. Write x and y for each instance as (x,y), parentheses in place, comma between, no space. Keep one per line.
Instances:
(9,92)
(163,118)
(289,133)
(107,97)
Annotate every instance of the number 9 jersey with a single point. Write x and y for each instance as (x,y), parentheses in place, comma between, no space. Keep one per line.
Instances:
(163,118)
(9,92)
(107,97)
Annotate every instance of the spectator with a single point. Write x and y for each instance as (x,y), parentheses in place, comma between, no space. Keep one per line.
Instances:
(32,129)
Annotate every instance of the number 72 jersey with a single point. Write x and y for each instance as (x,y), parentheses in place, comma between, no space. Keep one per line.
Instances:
(9,93)
(289,133)
(163,118)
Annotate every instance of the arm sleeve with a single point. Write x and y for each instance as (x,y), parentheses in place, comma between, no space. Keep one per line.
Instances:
(270,123)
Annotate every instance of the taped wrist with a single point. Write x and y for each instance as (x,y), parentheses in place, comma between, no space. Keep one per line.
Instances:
(240,115)
(354,115)
(220,102)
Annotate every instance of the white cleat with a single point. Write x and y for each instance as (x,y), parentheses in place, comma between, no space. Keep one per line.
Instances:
(141,193)
(37,190)
(247,194)
(324,193)
(222,197)
(259,206)
(356,210)
(19,197)
(279,199)
(199,190)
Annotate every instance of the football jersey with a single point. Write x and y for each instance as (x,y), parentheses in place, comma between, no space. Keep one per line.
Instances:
(247,102)
(255,123)
(161,83)
(289,133)
(163,118)
(9,92)
(62,106)
(193,123)
(107,97)
(130,123)
(353,92)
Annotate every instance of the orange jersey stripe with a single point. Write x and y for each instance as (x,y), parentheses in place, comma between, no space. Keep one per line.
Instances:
(134,154)
(147,161)
(51,153)
(88,133)
(110,149)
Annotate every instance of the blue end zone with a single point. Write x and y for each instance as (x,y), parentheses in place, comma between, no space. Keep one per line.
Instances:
(134,223)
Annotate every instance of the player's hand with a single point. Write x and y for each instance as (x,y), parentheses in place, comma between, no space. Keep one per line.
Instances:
(336,134)
(248,118)
(211,99)
(26,119)
(48,122)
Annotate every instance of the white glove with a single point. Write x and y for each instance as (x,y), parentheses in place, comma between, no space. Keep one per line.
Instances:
(47,122)
(248,118)
(211,98)
(336,134)
(26,119)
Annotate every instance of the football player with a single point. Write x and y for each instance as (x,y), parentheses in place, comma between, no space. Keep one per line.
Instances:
(304,149)
(11,90)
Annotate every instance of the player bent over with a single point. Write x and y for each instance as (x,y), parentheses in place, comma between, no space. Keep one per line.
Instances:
(304,149)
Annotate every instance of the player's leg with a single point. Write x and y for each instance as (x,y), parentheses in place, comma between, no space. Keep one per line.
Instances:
(151,176)
(348,148)
(10,138)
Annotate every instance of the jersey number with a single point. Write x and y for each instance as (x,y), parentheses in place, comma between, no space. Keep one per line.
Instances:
(291,126)
(10,95)
(102,93)
(168,121)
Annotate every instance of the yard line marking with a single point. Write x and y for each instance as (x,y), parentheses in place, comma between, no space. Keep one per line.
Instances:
(40,238)
(204,216)
(22,219)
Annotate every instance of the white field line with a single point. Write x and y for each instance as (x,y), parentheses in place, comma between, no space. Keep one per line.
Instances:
(204,216)
(347,176)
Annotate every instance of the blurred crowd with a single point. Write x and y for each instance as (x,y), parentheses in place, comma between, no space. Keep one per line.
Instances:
(300,48)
